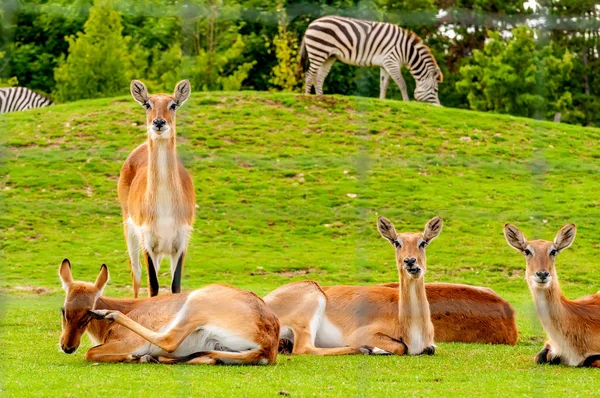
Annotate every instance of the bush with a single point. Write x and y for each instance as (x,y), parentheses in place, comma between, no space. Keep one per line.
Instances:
(98,62)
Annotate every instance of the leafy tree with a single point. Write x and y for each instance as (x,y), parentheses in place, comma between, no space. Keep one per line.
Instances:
(286,52)
(36,39)
(515,76)
(575,24)
(98,62)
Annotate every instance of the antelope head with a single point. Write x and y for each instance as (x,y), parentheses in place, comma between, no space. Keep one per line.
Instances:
(540,254)
(410,246)
(160,108)
(81,298)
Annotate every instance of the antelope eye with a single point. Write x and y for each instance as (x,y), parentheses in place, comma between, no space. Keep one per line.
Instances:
(423,244)
(173,107)
(146,105)
(527,252)
(553,252)
(396,244)
(62,310)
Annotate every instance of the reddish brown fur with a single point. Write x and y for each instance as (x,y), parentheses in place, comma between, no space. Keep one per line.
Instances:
(469,314)
(394,320)
(573,326)
(151,170)
(135,322)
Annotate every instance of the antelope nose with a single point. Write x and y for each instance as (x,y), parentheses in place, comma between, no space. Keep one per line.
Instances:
(159,123)
(542,274)
(410,261)
(68,350)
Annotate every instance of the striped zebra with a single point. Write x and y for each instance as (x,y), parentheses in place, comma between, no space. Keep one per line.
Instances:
(20,98)
(367,43)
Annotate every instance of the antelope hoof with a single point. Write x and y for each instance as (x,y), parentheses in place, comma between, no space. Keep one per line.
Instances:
(370,350)
(98,314)
(107,315)
(429,350)
(542,356)
(592,361)
(286,346)
(148,359)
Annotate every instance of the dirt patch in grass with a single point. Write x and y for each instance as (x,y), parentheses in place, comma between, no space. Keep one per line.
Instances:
(286,273)
(37,290)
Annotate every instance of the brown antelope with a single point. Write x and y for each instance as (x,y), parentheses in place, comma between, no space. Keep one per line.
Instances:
(573,326)
(214,324)
(339,320)
(468,314)
(156,192)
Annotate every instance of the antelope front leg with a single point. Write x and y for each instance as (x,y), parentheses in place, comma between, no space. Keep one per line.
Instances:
(115,351)
(152,270)
(377,343)
(176,272)
(303,345)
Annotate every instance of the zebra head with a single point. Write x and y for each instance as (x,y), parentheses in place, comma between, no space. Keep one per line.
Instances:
(427,87)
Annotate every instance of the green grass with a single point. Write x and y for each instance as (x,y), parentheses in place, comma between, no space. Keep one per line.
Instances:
(273,174)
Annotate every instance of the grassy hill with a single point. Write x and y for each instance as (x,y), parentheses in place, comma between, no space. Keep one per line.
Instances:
(289,188)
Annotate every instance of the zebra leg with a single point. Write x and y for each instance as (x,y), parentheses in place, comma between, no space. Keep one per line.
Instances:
(322,74)
(395,72)
(309,79)
(383,84)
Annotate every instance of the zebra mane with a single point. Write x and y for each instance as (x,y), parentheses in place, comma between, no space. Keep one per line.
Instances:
(417,39)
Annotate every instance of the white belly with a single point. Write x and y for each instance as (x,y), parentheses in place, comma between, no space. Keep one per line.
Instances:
(206,338)
(328,335)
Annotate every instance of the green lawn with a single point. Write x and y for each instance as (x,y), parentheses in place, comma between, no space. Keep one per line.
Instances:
(289,188)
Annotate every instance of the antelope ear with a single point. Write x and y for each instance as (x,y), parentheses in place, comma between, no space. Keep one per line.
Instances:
(433,228)
(102,278)
(386,229)
(139,92)
(64,272)
(565,237)
(182,92)
(515,237)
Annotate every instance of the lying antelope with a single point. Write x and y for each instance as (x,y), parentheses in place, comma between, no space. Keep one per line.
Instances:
(156,192)
(214,324)
(573,326)
(468,314)
(339,320)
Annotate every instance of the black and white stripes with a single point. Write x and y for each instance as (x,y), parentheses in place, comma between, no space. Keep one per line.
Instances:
(20,98)
(366,43)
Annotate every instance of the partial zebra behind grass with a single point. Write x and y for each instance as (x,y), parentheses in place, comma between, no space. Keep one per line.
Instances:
(14,99)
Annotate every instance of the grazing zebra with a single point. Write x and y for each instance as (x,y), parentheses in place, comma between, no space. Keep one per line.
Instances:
(367,43)
(20,98)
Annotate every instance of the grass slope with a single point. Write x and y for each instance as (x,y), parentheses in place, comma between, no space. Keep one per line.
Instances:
(289,188)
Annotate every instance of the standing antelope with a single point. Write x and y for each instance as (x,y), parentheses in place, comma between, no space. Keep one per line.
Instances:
(339,320)
(573,326)
(214,324)
(156,192)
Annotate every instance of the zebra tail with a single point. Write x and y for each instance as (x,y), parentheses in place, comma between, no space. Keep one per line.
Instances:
(302,64)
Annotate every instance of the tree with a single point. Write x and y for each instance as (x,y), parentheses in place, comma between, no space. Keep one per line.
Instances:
(98,61)
(286,52)
(515,76)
